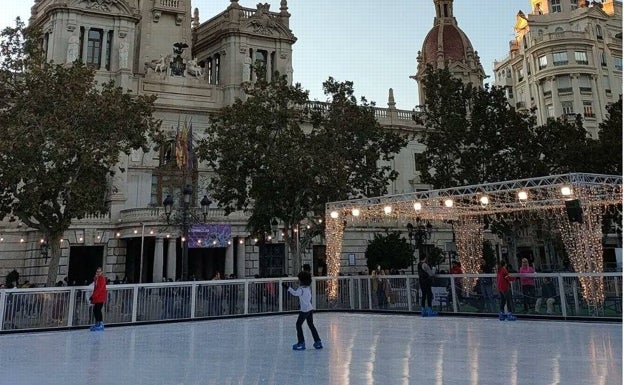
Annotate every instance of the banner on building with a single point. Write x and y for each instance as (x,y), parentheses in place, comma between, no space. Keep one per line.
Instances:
(205,235)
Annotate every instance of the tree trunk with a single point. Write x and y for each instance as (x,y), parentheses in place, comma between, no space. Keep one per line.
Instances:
(54,241)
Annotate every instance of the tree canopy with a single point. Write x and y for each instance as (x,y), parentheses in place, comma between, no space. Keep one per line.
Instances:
(281,158)
(61,135)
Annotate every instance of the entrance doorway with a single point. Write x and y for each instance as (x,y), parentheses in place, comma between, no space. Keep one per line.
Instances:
(272,256)
(204,263)
(83,261)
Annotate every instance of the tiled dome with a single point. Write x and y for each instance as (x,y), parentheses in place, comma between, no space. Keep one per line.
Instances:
(450,38)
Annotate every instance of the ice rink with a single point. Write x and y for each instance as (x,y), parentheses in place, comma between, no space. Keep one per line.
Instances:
(359,349)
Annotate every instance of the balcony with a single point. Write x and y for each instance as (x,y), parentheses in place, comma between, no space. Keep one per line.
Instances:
(564,90)
(521,106)
(585,90)
(175,7)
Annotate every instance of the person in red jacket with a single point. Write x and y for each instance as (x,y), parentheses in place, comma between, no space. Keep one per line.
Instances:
(503,286)
(98,298)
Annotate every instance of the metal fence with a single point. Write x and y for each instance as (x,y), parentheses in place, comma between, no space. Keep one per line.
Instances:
(67,307)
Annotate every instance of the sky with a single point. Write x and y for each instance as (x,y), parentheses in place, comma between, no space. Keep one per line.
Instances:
(373,43)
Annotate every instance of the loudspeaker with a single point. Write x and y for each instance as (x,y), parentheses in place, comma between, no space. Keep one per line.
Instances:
(574,210)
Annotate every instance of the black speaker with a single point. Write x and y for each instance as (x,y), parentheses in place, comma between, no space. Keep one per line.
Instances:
(574,210)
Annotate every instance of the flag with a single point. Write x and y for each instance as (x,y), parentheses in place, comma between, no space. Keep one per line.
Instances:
(178,146)
(190,150)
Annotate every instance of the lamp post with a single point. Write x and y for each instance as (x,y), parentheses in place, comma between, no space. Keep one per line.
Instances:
(168,203)
(419,234)
(187,192)
(205,204)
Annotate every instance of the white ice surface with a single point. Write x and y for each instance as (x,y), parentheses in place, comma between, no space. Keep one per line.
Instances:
(359,349)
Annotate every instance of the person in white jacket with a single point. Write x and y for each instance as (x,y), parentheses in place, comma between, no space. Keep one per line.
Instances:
(306,310)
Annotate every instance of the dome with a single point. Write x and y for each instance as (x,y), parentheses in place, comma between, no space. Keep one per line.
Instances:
(450,39)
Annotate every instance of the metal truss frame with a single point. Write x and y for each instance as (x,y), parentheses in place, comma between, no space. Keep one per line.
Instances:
(543,193)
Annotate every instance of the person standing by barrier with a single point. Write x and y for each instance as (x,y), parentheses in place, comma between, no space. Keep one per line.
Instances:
(98,298)
(528,284)
(306,310)
(548,295)
(425,279)
(503,285)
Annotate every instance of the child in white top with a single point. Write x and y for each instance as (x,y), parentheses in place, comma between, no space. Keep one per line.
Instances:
(306,310)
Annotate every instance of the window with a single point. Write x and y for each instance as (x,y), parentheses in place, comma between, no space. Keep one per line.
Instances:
(81,42)
(603,58)
(217,68)
(564,85)
(599,32)
(260,63)
(542,62)
(109,42)
(508,73)
(520,74)
(94,48)
(618,63)
(588,109)
(606,84)
(568,108)
(560,58)
(209,71)
(509,92)
(551,111)
(585,82)
(573,4)
(555,6)
(273,64)
(580,57)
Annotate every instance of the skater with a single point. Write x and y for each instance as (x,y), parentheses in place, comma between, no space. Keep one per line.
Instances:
(425,278)
(503,280)
(306,311)
(98,298)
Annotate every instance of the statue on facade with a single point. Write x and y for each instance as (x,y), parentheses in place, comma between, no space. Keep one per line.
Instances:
(159,65)
(73,47)
(123,54)
(178,67)
(193,69)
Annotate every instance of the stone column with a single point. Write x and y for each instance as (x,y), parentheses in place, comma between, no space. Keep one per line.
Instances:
(240,258)
(171,259)
(229,260)
(599,97)
(555,97)
(157,274)
(542,112)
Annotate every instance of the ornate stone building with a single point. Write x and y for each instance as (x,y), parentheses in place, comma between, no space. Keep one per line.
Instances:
(159,47)
(566,59)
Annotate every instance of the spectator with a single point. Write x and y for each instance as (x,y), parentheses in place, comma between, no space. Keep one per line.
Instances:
(456,268)
(528,284)
(503,285)
(485,285)
(549,295)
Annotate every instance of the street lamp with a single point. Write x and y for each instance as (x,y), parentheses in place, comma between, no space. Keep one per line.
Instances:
(274,227)
(419,234)
(168,203)
(205,204)
(187,192)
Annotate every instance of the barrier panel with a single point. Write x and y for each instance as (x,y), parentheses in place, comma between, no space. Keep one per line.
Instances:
(69,307)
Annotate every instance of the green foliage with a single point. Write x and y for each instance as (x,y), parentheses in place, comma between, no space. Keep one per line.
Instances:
(61,135)
(389,251)
(472,135)
(609,151)
(276,157)
(436,256)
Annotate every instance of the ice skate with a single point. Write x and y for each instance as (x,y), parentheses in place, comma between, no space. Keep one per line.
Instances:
(424,312)
(431,312)
(501,316)
(511,317)
(299,346)
(318,345)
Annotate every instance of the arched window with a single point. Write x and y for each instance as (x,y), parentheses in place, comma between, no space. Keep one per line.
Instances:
(217,68)
(558,30)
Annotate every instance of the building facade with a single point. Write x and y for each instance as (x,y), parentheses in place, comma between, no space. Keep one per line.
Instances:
(566,59)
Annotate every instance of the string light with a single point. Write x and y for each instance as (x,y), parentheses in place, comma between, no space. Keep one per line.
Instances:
(464,206)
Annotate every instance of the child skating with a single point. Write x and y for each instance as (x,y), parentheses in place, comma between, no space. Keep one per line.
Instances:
(306,310)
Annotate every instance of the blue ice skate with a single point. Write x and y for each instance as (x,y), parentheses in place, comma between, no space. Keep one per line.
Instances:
(99,326)
(431,312)
(299,346)
(318,345)
(501,316)
(511,317)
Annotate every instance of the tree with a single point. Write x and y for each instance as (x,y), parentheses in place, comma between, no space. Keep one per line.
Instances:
(472,135)
(278,159)
(61,135)
(609,146)
(390,251)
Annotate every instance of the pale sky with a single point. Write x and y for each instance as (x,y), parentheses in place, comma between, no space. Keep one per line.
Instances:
(373,43)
